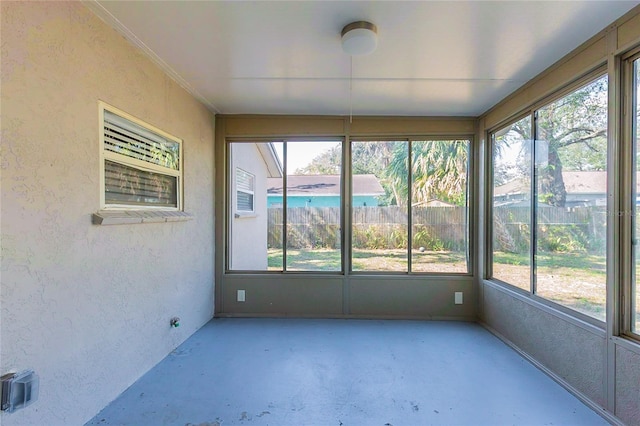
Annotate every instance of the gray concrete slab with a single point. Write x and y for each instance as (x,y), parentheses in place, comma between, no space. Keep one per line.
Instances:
(343,373)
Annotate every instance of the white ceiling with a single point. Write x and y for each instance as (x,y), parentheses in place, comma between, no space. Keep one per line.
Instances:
(433,58)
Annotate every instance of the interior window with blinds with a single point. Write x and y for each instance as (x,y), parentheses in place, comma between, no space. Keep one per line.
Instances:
(245,183)
(142,165)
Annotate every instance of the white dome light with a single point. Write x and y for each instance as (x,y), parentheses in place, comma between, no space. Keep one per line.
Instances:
(359,38)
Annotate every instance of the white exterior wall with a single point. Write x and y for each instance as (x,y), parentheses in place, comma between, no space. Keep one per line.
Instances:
(85,306)
(248,238)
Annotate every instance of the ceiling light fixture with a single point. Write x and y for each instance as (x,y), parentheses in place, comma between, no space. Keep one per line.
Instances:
(359,38)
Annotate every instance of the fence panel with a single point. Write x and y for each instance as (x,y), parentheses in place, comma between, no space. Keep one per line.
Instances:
(374,227)
(433,227)
(583,227)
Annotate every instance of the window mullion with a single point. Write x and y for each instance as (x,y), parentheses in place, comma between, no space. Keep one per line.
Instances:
(628,202)
(409,202)
(533,203)
(285,223)
(346,233)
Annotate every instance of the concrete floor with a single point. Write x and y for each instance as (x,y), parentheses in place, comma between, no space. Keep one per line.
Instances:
(344,372)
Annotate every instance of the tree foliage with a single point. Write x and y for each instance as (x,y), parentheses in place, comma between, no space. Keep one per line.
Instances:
(574,130)
(571,135)
(512,153)
(327,163)
(438,171)
(439,168)
(367,158)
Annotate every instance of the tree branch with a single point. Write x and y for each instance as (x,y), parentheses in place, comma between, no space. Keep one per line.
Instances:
(572,131)
(583,139)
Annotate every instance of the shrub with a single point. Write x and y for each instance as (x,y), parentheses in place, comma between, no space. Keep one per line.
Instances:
(563,239)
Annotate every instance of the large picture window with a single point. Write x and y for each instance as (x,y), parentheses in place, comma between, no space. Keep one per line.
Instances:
(571,199)
(293,190)
(560,181)
(408,205)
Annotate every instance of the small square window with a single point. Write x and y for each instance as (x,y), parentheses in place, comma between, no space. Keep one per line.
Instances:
(245,186)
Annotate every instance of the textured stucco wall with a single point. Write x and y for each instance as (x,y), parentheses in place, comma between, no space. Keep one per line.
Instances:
(249,234)
(88,307)
(573,353)
(628,385)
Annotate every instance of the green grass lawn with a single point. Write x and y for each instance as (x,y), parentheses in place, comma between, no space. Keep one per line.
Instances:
(367,260)
(306,260)
(575,280)
(595,264)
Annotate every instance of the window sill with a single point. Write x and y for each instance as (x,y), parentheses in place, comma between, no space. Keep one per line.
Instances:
(629,342)
(122,217)
(245,215)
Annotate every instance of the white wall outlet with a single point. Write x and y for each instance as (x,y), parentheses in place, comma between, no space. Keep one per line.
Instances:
(241,296)
(458,298)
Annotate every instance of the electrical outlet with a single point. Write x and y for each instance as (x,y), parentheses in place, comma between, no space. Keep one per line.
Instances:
(241,296)
(458,298)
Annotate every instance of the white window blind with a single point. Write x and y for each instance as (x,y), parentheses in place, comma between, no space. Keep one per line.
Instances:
(127,138)
(245,184)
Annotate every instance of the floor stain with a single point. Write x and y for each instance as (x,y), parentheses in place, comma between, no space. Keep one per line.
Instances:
(216,423)
(181,352)
(243,416)
(263,413)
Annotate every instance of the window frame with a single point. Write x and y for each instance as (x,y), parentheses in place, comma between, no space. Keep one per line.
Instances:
(468,206)
(628,209)
(250,191)
(346,251)
(349,211)
(106,155)
(574,85)
(230,205)
(490,195)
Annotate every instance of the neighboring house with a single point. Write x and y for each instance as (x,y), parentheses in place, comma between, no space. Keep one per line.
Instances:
(583,189)
(323,191)
(252,164)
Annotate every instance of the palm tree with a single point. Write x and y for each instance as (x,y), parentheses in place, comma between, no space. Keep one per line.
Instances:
(438,171)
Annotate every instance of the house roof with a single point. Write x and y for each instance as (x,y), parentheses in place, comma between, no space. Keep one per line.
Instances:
(575,182)
(271,160)
(324,185)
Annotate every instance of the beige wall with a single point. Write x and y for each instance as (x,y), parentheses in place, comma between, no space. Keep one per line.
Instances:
(88,307)
(591,360)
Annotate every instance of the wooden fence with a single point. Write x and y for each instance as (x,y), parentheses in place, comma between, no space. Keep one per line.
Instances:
(438,228)
(373,227)
(559,228)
